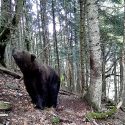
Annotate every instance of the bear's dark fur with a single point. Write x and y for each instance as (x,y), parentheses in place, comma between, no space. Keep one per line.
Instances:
(41,82)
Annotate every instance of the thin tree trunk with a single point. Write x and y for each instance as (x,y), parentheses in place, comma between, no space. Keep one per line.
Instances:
(76,58)
(121,72)
(44,20)
(123,61)
(39,28)
(103,71)
(82,41)
(66,45)
(55,37)
(27,40)
(115,79)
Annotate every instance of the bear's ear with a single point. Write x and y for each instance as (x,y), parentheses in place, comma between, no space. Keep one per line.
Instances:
(33,57)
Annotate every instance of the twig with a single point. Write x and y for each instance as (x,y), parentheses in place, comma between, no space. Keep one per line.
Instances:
(3,115)
(65,92)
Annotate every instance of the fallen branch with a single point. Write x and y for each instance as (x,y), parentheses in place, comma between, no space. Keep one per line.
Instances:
(16,75)
(111,75)
(3,115)
(66,92)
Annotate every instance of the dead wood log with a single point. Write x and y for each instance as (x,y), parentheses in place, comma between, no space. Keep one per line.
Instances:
(16,75)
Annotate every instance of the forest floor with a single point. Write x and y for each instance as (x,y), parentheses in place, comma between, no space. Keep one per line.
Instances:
(71,110)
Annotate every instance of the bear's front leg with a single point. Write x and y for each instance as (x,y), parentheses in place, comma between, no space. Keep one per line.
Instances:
(40,102)
(32,94)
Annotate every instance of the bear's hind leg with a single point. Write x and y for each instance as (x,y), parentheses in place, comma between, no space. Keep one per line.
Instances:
(54,95)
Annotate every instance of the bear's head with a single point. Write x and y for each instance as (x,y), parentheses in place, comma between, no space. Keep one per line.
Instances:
(23,59)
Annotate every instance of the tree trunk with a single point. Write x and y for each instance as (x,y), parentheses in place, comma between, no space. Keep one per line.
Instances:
(103,71)
(27,38)
(39,28)
(123,62)
(5,34)
(95,88)
(115,79)
(121,72)
(55,37)
(44,20)
(76,58)
(82,41)
(6,16)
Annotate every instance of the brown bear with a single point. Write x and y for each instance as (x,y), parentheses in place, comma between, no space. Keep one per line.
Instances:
(41,82)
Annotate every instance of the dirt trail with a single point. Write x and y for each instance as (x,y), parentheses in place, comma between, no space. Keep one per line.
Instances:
(71,110)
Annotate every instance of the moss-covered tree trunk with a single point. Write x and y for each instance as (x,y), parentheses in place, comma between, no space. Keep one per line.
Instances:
(8,24)
(6,16)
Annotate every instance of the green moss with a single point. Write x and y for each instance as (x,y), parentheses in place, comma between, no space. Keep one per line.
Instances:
(101,115)
(5,105)
(62,78)
(55,120)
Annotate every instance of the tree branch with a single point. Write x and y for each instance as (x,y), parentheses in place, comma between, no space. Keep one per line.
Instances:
(110,75)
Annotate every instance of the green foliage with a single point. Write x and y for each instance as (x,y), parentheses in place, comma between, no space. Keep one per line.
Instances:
(101,115)
(115,24)
(62,77)
(5,105)
(117,1)
(111,23)
(55,120)
(111,28)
